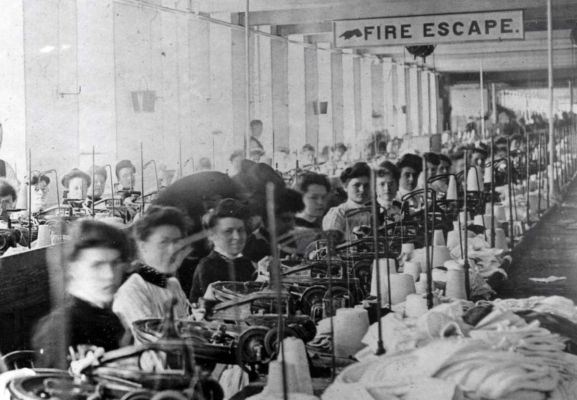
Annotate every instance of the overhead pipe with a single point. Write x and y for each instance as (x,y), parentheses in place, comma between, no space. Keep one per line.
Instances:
(551,191)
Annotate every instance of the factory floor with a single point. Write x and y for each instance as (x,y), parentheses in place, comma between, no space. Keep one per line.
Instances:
(549,249)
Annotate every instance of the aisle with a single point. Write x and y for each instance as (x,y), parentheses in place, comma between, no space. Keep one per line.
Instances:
(548,249)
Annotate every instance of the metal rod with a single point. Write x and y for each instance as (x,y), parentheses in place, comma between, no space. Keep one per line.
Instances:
(482,84)
(276,278)
(331,304)
(551,190)
(465,254)
(93,200)
(247,135)
(30,198)
(527,203)
(493,182)
(180,156)
(509,184)
(539,175)
(427,258)
(142,178)
(380,345)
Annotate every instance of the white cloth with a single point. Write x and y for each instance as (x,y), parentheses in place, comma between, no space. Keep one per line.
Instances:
(138,299)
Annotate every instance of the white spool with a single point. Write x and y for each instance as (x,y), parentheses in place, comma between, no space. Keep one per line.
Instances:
(351,325)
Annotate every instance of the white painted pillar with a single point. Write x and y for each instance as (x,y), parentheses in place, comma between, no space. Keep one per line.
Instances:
(311,97)
(349,96)
(402,103)
(378,100)
(280,93)
(297,104)
(239,86)
(388,96)
(414,100)
(325,81)
(357,99)
(436,104)
(261,86)
(366,98)
(425,103)
(337,92)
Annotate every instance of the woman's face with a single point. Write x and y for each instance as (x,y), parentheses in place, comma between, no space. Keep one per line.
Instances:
(431,170)
(99,185)
(315,200)
(126,178)
(159,249)
(229,236)
(408,180)
(444,168)
(387,188)
(77,188)
(358,190)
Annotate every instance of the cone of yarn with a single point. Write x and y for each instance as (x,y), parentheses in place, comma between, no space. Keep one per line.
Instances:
(438,238)
(440,255)
(453,239)
(383,267)
(452,189)
(44,238)
(401,286)
(415,305)
(462,218)
(478,220)
(274,384)
(295,356)
(412,268)
(455,286)
(500,213)
(487,219)
(473,180)
(351,325)
(421,286)
(500,239)
(488,174)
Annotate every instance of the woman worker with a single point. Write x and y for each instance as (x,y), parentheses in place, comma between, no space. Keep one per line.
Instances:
(94,265)
(76,183)
(387,185)
(162,246)
(227,230)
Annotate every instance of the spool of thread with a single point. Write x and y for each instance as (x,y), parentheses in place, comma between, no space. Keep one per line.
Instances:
(295,355)
(401,286)
(274,384)
(455,286)
(473,179)
(412,268)
(438,238)
(440,255)
(44,238)
(488,174)
(452,189)
(421,286)
(487,219)
(351,325)
(462,218)
(500,239)
(415,305)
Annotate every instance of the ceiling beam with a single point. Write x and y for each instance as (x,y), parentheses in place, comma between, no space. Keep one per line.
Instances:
(334,10)
(536,78)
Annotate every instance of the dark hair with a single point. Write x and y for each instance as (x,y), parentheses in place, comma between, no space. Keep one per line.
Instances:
(39,178)
(226,208)
(444,158)
(387,167)
(76,173)
(98,170)
(313,179)
(156,216)
(357,170)
(432,158)
(124,164)
(340,146)
(204,162)
(89,233)
(6,189)
(255,122)
(411,161)
(287,200)
(308,147)
(458,154)
(235,154)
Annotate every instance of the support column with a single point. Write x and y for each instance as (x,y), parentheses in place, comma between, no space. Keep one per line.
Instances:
(378,101)
(388,97)
(401,98)
(280,94)
(239,87)
(414,100)
(366,98)
(425,103)
(349,103)
(436,105)
(325,82)
(337,90)
(357,97)
(296,95)
(311,97)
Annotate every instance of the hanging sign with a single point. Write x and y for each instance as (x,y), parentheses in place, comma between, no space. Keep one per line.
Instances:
(429,29)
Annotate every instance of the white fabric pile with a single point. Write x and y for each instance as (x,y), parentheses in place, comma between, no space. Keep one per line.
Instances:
(556,305)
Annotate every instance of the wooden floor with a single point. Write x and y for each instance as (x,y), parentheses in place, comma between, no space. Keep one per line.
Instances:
(550,248)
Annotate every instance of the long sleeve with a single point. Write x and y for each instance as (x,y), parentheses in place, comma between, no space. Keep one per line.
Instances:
(334,220)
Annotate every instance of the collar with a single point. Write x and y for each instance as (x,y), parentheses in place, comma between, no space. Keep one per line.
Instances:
(225,255)
(151,275)
(352,204)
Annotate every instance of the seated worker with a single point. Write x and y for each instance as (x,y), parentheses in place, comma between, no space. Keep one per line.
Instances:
(125,173)
(40,190)
(387,185)
(76,183)
(94,265)
(226,226)
(162,246)
(410,166)
(99,184)
(444,168)
(433,162)
(315,189)
(7,201)
(356,182)
(288,202)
